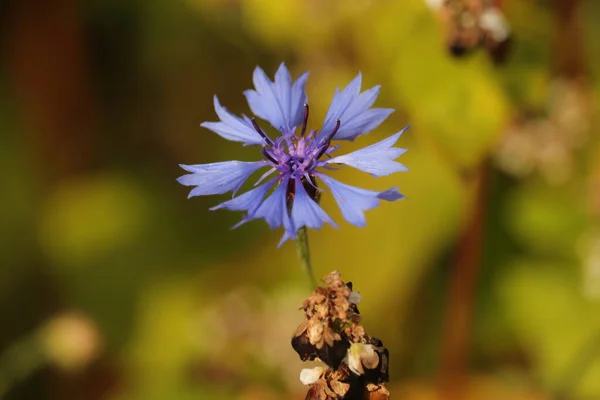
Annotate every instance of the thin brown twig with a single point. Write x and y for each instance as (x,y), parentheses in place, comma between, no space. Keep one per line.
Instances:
(458,320)
(568,42)
(571,63)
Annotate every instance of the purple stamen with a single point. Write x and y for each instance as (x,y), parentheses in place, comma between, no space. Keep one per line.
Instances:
(335,129)
(261,132)
(265,175)
(309,179)
(328,139)
(289,142)
(266,153)
(305,121)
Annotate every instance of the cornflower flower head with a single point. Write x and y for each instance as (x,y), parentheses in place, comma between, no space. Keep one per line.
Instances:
(298,156)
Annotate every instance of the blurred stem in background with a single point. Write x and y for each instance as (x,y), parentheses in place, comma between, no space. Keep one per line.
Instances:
(459,313)
(304,255)
(52,93)
(571,61)
(19,361)
(47,66)
(568,42)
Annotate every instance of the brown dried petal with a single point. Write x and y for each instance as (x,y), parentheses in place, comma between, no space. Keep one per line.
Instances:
(357,332)
(317,392)
(330,336)
(377,392)
(315,334)
(332,278)
(339,388)
(379,396)
(302,345)
(369,357)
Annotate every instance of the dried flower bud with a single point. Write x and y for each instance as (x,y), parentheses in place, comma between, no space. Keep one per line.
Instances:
(353,358)
(308,376)
(369,357)
(472,24)
(331,333)
(492,20)
(379,373)
(496,37)
(315,334)
(360,355)
(462,28)
(354,298)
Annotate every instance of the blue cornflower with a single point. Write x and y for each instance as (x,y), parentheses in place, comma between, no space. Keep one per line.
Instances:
(290,198)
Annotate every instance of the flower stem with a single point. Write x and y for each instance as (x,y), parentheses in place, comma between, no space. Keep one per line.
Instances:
(304,255)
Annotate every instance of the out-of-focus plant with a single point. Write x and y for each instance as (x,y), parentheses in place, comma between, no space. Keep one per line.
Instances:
(70,341)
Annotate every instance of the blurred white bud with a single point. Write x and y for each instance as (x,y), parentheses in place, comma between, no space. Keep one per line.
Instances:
(435,5)
(516,154)
(70,340)
(493,21)
(308,376)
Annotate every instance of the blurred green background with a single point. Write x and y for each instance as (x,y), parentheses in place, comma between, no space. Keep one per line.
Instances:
(484,284)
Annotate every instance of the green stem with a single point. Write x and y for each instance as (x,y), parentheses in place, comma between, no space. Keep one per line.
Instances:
(304,255)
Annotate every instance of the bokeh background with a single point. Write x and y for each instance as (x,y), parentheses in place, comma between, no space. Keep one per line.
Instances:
(483,284)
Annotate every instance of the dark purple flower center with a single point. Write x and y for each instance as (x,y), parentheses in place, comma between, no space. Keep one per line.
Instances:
(296,156)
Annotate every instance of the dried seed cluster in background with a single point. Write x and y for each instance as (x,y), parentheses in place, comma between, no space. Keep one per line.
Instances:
(550,143)
(474,23)
(357,363)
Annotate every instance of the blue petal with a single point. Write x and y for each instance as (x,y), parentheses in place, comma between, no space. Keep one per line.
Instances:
(218,178)
(274,208)
(298,100)
(352,108)
(232,127)
(341,101)
(279,102)
(306,212)
(248,201)
(354,201)
(377,159)
(361,123)
(290,230)
(391,195)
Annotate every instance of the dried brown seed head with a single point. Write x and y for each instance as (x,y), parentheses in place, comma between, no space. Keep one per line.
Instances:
(331,333)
